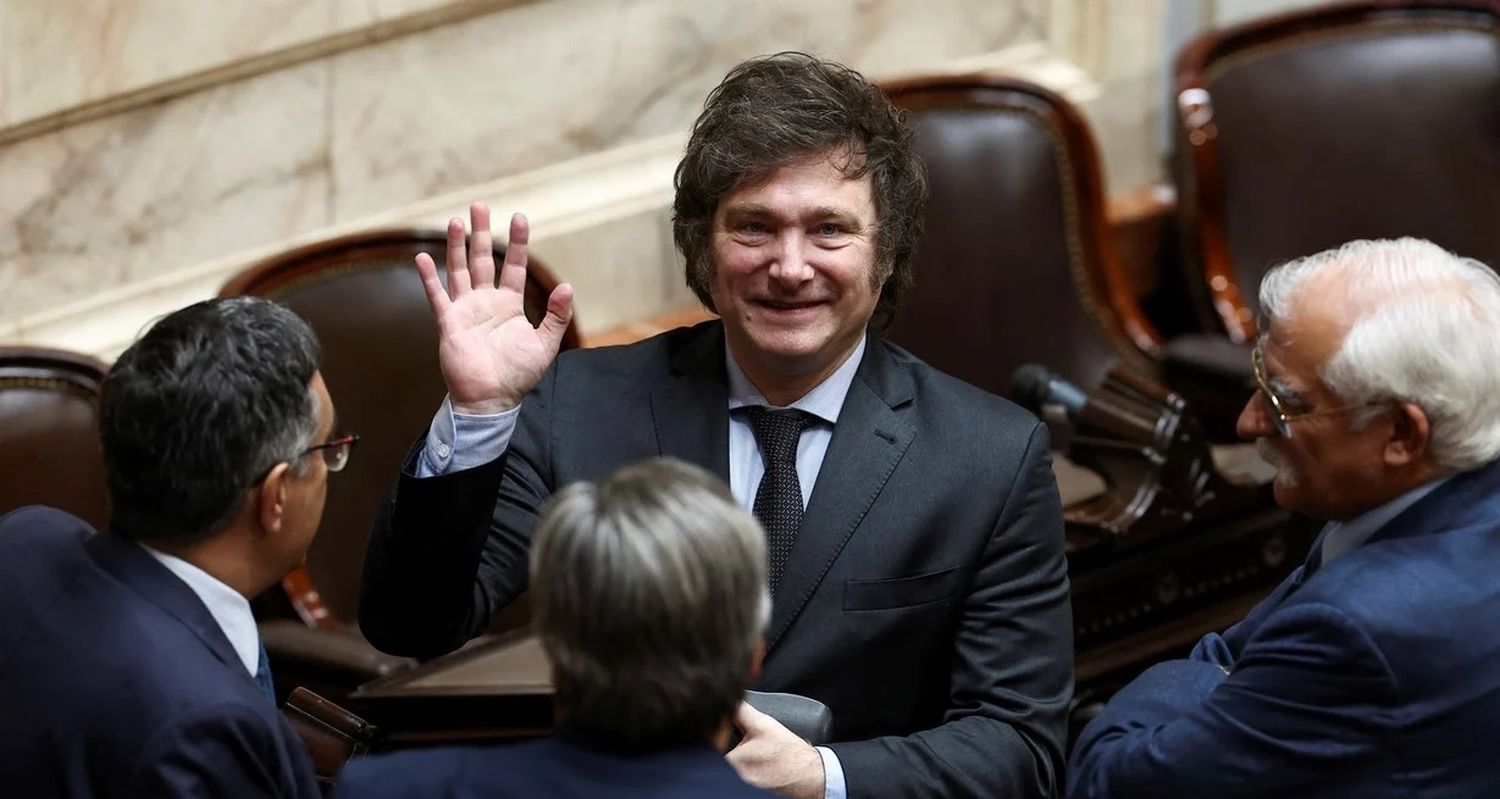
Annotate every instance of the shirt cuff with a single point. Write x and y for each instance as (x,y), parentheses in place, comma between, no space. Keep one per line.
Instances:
(459,441)
(833,775)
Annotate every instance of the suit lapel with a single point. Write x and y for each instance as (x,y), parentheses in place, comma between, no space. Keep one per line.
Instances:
(130,564)
(690,409)
(870,438)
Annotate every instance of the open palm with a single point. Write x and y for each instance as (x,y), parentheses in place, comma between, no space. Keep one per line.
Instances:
(490,354)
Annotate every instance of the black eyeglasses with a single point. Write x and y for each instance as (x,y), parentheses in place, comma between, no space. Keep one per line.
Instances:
(335,452)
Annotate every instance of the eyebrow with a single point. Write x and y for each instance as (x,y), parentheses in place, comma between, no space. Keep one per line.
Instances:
(1284,390)
(822,213)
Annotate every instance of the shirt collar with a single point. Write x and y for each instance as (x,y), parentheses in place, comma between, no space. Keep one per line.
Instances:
(823,401)
(1340,537)
(229,607)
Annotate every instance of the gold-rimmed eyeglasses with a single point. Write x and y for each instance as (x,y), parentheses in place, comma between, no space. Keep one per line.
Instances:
(1281,418)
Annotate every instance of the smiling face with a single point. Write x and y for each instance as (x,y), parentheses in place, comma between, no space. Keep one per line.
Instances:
(794,256)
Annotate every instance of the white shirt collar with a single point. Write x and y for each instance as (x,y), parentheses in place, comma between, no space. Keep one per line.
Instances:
(229,607)
(823,401)
(1340,537)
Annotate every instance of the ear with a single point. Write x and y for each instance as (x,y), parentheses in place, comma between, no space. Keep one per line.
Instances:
(1411,436)
(272,498)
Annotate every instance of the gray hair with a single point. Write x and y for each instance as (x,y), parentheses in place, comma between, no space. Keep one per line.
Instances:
(1426,330)
(649,595)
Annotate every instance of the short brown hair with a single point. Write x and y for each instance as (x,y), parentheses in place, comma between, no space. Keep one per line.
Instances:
(780,109)
(649,595)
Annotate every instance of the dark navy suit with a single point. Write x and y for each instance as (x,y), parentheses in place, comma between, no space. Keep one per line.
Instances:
(116,681)
(1376,675)
(549,767)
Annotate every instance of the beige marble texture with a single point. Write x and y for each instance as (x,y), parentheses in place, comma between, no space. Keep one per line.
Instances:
(56,55)
(548,81)
(135,196)
(1230,12)
(61,53)
(106,223)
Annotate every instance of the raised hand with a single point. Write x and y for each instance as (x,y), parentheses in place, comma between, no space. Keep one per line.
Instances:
(489,353)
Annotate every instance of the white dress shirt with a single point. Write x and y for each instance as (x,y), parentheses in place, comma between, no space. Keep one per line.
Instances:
(457,441)
(229,607)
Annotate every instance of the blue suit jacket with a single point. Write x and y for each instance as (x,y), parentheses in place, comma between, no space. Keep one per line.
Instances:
(549,767)
(116,681)
(1375,676)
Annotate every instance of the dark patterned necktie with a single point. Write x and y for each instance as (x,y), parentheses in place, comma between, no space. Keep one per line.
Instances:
(778,498)
(263,675)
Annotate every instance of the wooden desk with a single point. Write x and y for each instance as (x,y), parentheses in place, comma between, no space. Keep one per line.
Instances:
(495,689)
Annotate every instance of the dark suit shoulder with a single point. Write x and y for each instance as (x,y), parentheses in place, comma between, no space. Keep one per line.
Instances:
(952,394)
(635,360)
(962,422)
(544,767)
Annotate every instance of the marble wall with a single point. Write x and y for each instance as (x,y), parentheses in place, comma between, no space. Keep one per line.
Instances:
(183,139)
(159,188)
(59,55)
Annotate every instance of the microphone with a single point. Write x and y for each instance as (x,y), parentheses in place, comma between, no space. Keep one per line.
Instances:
(1034,386)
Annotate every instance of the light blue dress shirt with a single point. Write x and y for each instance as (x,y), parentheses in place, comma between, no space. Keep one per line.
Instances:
(1340,537)
(229,607)
(457,441)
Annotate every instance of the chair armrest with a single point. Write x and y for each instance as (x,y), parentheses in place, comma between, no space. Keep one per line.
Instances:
(810,719)
(331,734)
(341,652)
(1209,357)
(1213,375)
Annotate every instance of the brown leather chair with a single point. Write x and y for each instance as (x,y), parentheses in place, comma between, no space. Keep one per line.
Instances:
(1306,130)
(49,432)
(362,296)
(1014,266)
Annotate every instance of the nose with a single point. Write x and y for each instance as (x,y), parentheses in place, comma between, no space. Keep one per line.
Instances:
(790,268)
(1255,419)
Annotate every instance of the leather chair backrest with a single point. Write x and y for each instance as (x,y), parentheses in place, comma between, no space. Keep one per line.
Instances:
(49,433)
(1014,266)
(363,298)
(1308,130)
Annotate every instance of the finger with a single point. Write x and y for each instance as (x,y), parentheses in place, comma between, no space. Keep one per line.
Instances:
(437,299)
(513,273)
(559,313)
(748,719)
(458,259)
(481,246)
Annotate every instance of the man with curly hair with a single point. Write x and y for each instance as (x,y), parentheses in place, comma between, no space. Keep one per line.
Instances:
(914,533)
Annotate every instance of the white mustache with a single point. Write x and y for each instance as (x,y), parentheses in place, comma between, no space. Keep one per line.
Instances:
(1285,474)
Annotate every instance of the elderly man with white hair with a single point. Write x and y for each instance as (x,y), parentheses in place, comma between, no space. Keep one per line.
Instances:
(1374,670)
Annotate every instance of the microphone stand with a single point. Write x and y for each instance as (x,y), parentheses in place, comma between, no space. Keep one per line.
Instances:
(1155,461)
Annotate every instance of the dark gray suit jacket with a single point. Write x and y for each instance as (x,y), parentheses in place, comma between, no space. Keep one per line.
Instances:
(926,599)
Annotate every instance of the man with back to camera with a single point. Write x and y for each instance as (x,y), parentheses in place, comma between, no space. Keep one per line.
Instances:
(1371,670)
(130,664)
(915,541)
(650,601)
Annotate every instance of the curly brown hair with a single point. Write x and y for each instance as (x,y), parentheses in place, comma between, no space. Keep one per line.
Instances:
(776,110)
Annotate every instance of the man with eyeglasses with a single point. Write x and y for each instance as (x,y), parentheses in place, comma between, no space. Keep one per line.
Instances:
(130,664)
(1371,671)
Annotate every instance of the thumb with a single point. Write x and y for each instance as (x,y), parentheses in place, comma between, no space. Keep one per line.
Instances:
(748,719)
(559,314)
